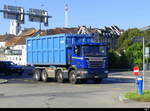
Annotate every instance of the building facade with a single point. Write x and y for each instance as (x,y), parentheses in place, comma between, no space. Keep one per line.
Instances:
(15,27)
(107,35)
(17,54)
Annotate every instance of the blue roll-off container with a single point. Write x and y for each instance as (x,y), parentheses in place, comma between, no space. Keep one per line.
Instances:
(53,49)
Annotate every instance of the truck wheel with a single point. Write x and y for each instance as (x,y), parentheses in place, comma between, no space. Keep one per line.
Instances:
(59,76)
(72,77)
(44,76)
(37,75)
(83,81)
(97,80)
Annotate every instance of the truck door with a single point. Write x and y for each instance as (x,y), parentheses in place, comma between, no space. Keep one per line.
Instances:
(77,57)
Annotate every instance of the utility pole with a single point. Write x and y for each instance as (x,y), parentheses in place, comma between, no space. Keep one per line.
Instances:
(141,39)
(143,60)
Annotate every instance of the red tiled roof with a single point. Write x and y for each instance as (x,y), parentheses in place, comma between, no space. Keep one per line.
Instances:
(61,30)
(12,41)
(4,38)
(21,39)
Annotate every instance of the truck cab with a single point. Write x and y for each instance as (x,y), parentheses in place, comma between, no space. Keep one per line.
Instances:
(90,61)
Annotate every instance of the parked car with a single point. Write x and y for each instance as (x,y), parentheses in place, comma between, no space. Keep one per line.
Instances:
(9,67)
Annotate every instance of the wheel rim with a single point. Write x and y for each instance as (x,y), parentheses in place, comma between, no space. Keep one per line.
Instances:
(59,77)
(44,76)
(73,78)
(37,76)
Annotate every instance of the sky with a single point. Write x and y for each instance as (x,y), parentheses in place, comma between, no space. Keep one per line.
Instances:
(95,13)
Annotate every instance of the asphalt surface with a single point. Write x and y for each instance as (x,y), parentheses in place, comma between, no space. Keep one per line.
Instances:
(23,92)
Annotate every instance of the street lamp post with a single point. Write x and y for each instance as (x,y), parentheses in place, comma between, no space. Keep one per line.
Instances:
(143,60)
(141,39)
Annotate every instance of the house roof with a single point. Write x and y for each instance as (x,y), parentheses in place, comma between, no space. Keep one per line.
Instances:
(6,37)
(30,32)
(21,39)
(12,41)
(61,30)
(2,39)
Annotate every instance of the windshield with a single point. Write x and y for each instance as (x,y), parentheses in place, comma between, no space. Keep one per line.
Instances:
(94,51)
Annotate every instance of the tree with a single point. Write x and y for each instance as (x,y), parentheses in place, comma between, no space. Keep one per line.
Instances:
(131,53)
(113,59)
(125,40)
(135,55)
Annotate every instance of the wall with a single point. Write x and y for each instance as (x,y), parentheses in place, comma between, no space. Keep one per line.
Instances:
(18,59)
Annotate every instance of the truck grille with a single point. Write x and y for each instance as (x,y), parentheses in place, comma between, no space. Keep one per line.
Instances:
(95,64)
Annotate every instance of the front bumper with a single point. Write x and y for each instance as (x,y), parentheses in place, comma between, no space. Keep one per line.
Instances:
(88,74)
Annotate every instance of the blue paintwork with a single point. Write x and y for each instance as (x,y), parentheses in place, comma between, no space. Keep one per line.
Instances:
(58,50)
(53,49)
(82,63)
(140,84)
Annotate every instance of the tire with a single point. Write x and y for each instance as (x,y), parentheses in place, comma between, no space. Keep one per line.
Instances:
(44,76)
(97,80)
(37,75)
(83,81)
(72,77)
(59,76)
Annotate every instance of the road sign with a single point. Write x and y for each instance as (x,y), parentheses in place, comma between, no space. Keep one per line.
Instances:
(37,15)
(147,51)
(136,70)
(13,12)
(137,39)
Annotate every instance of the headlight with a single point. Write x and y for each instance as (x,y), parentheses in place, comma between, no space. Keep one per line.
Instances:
(82,72)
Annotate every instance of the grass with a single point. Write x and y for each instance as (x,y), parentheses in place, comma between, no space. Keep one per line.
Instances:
(145,97)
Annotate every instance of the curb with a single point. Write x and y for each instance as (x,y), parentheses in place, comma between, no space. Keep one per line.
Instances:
(127,77)
(3,81)
(123,99)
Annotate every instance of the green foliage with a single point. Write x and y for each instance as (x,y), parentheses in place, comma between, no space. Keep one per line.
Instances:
(125,40)
(135,96)
(117,60)
(129,53)
(123,61)
(113,59)
(135,55)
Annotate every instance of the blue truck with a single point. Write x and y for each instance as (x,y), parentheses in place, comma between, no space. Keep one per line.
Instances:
(73,57)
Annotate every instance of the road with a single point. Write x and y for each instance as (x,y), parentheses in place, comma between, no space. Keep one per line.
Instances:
(23,92)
